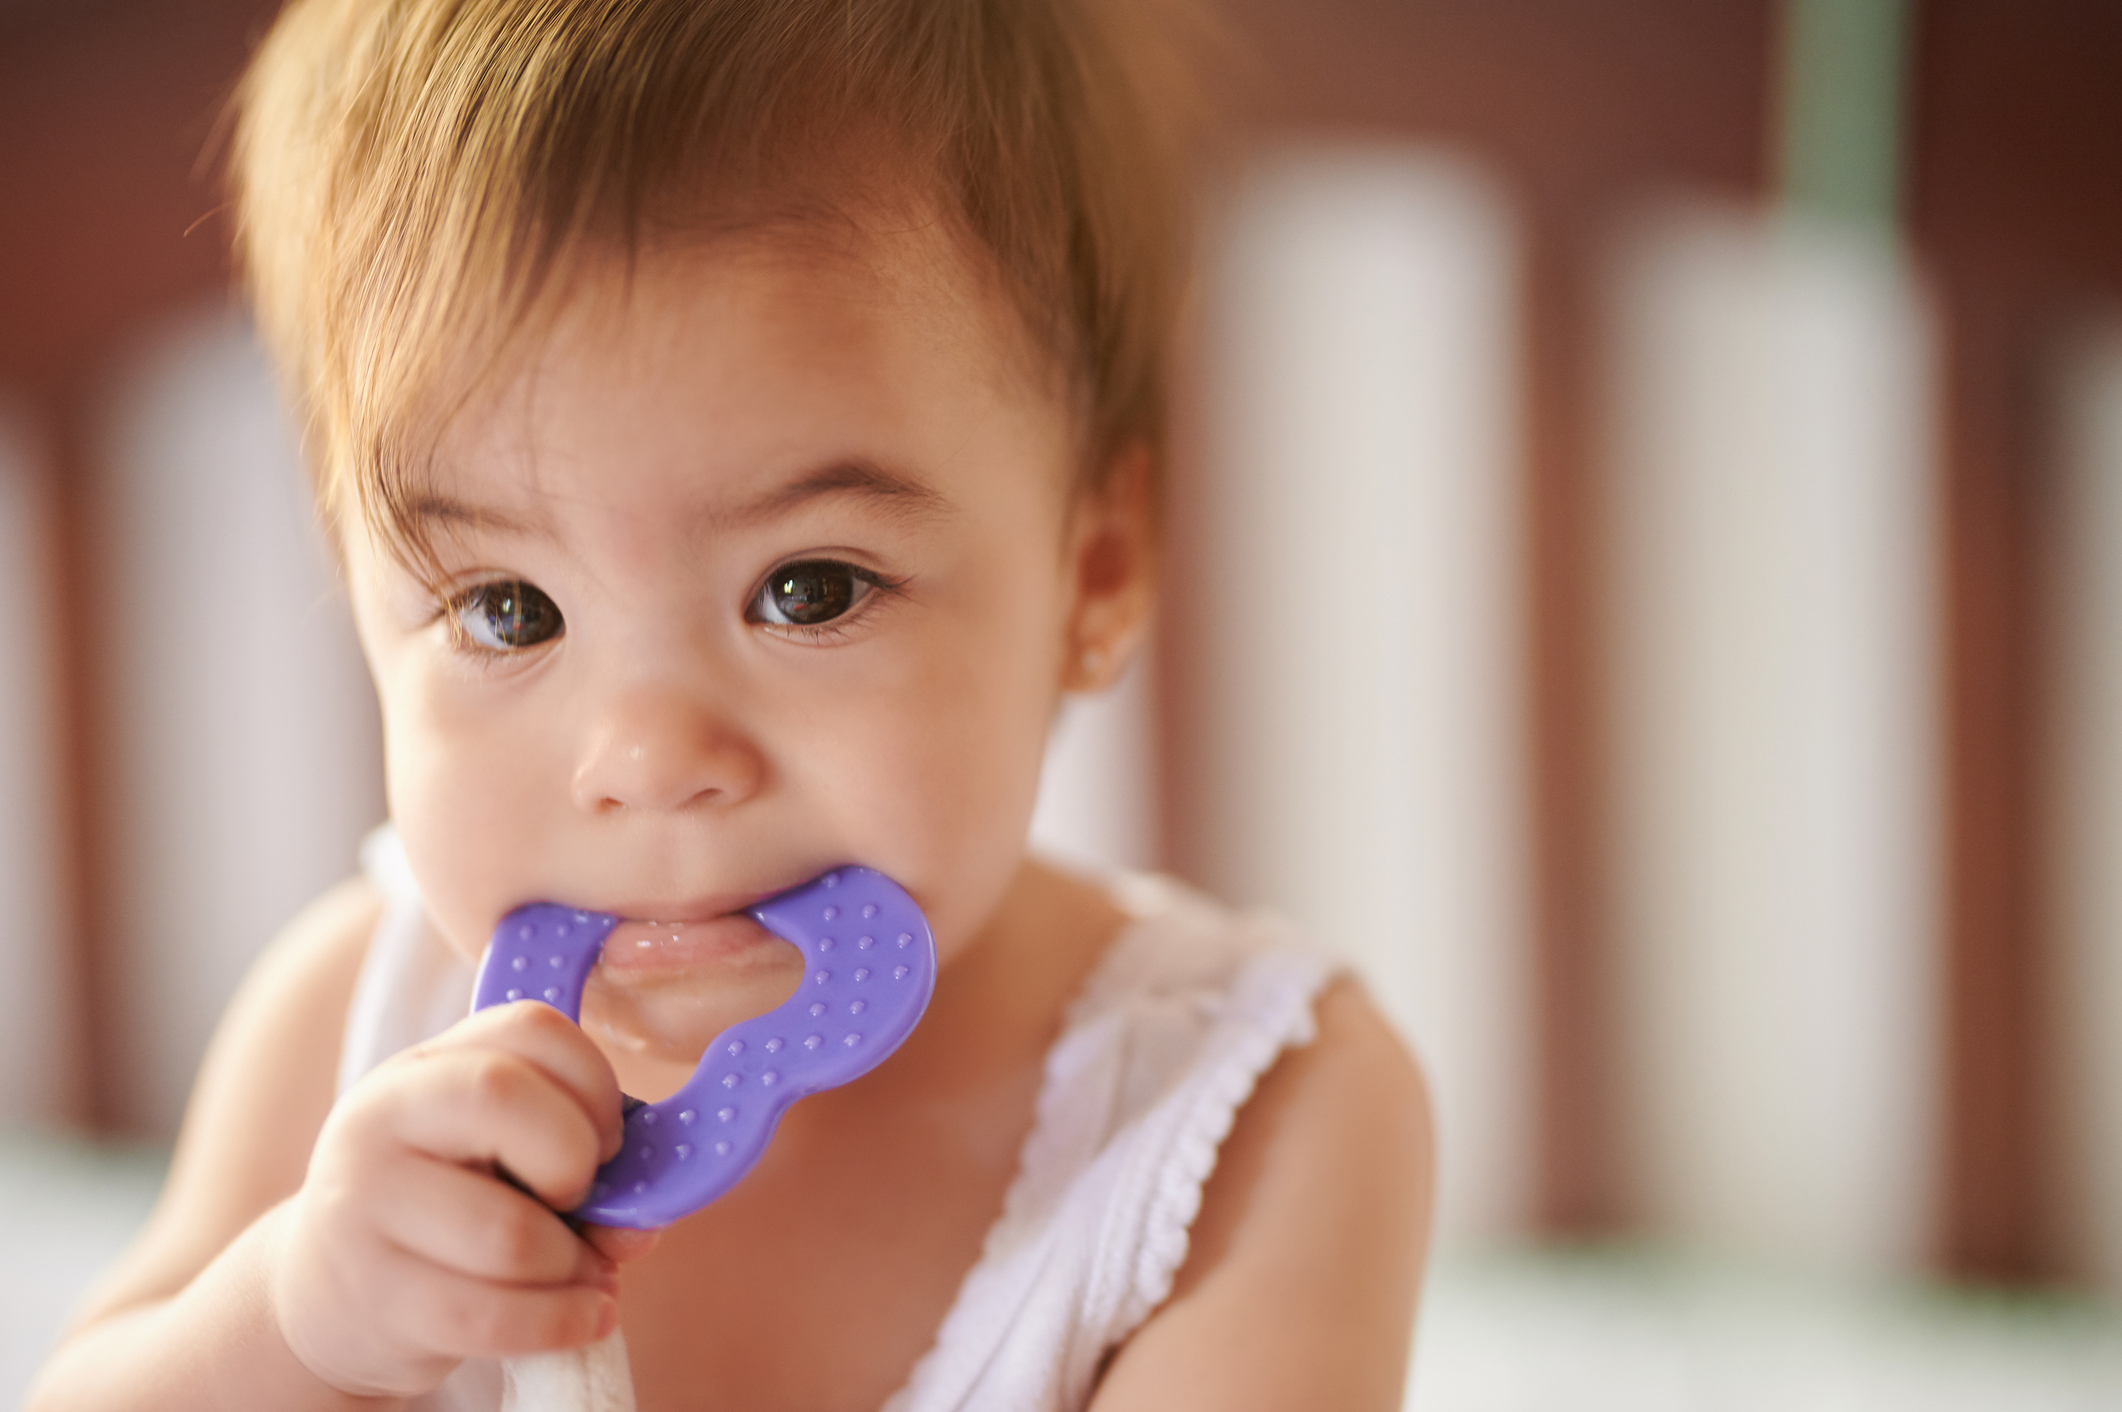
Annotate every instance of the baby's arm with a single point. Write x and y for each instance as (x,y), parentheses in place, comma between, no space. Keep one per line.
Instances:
(306,1256)
(1299,1287)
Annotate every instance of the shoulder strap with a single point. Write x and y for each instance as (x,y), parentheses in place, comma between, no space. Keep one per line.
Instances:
(412,986)
(1187,1010)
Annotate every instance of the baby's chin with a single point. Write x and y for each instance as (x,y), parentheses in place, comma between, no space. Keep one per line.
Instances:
(654,1021)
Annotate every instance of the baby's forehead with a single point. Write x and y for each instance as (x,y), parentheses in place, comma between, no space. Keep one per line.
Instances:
(888,275)
(907,257)
(736,357)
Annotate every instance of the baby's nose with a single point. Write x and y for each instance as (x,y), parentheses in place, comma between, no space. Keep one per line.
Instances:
(657,749)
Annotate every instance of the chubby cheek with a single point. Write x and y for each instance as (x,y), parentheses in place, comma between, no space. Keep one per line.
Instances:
(466,803)
(951,831)
(938,790)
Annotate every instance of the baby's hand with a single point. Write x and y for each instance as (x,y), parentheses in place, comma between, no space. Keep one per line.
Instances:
(406,1251)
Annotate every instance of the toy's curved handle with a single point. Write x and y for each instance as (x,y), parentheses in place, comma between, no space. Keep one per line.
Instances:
(869,969)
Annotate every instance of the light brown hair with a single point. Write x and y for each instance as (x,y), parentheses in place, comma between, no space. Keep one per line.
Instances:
(414,178)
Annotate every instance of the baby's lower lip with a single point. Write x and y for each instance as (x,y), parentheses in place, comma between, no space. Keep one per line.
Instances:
(670,946)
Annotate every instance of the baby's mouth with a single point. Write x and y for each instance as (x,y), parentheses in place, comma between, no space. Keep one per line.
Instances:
(639,949)
(661,991)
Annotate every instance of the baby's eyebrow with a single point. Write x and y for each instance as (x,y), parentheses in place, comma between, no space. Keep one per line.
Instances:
(901,495)
(442,510)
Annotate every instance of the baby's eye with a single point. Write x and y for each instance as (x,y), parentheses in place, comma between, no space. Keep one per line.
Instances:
(507,615)
(811,593)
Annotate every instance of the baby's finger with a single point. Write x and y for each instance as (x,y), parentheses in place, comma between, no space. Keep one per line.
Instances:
(543,1036)
(457,1316)
(618,1244)
(477,1226)
(481,1106)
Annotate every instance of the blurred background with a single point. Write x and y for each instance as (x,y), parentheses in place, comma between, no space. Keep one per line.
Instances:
(1645,579)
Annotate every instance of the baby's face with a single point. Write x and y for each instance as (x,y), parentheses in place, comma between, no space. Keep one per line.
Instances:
(757,567)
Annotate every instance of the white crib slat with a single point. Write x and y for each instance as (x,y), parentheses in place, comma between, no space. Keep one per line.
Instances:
(1772,552)
(245,761)
(1099,790)
(34,999)
(2087,788)
(1358,728)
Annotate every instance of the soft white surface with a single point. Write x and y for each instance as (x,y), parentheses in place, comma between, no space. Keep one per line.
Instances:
(1524,1333)
(1639,1333)
(66,1210)
(1774,628)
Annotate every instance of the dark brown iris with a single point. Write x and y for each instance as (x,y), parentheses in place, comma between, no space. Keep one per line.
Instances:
(809,594)
(514,613)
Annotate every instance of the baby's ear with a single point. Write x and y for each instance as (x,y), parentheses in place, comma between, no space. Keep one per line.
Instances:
(1111,564)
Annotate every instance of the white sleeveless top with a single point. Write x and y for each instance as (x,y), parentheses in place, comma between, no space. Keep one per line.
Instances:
(1187,1008)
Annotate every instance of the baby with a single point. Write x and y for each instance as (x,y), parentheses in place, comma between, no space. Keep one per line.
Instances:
(740,422)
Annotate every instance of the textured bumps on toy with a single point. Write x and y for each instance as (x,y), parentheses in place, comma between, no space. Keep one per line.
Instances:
(869,970)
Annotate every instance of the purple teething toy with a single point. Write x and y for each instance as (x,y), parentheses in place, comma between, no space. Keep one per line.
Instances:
(870,967)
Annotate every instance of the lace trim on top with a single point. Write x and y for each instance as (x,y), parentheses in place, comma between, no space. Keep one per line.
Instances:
(1264,1010)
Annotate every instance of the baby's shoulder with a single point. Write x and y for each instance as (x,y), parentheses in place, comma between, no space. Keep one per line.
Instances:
(291,1008)
(270,1074)
(1311,1232)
